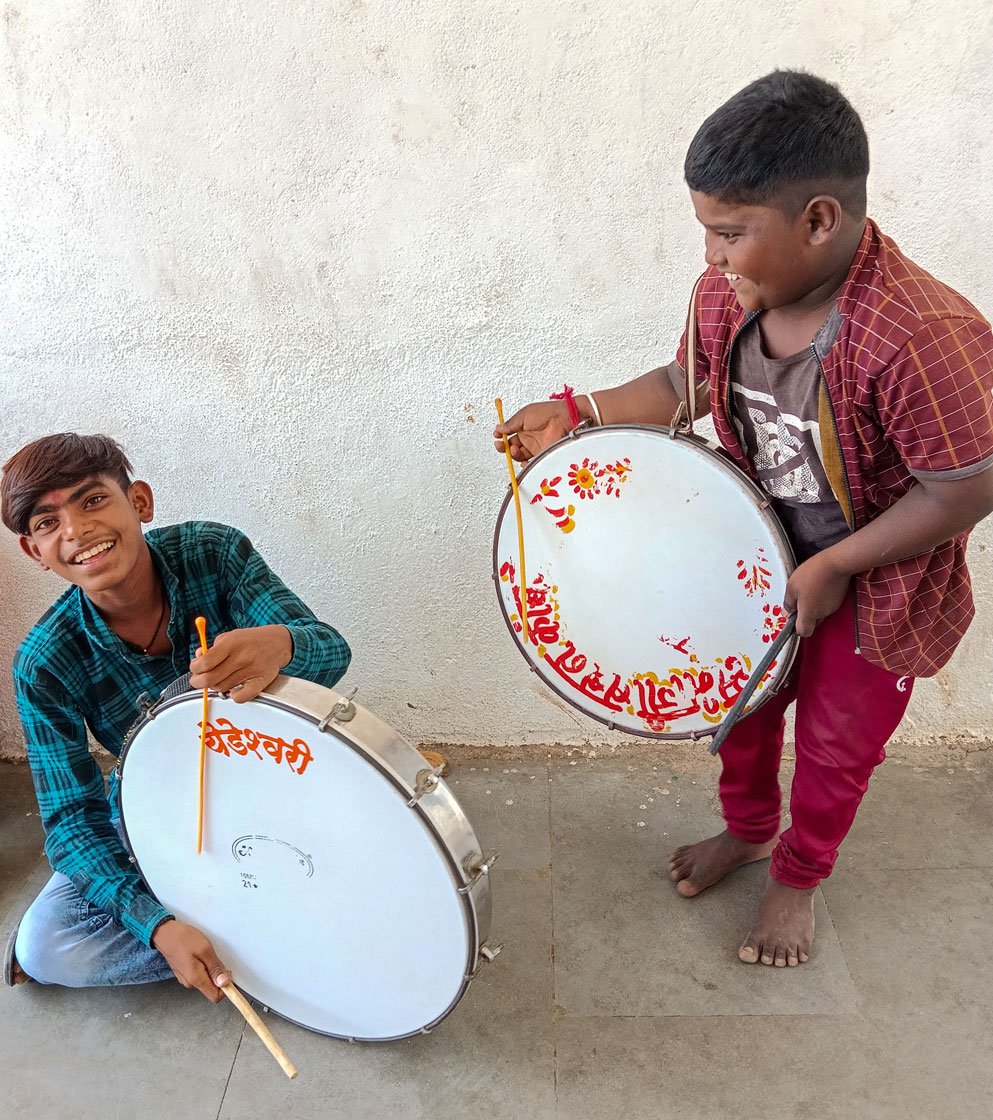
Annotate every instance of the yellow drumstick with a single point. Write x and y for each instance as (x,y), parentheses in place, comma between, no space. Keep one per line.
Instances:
(201,624)
(520,526)
(252,1019)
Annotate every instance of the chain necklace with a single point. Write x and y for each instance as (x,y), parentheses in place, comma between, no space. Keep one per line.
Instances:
(158,625)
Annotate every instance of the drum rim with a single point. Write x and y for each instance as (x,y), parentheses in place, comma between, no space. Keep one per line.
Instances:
(477,911)
(751,489)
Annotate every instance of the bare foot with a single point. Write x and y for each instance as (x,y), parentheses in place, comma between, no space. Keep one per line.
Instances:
(695,867)
(784,927)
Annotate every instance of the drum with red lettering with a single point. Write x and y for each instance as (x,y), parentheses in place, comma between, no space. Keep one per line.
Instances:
(339,881)
(655,573)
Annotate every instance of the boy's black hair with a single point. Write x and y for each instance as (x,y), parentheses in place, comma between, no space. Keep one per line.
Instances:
(51,463)
(785,131)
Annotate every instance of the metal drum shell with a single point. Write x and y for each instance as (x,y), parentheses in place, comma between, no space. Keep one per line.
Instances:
(400,764)
(749,489)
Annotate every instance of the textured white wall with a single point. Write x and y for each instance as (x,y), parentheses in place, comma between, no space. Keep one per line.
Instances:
(289,252)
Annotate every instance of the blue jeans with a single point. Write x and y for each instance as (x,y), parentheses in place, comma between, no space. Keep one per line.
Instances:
(63,939)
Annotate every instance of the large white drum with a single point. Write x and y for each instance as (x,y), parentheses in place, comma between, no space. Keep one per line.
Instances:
(339,881)
(655,574)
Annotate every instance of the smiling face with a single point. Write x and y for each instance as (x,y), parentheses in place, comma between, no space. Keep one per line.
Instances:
(770,259)
(90,533)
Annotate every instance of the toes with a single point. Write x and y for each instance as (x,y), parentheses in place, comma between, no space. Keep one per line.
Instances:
(686,888)
(793,957)
(768,955)
(749,951)
(780,959)
(803,956)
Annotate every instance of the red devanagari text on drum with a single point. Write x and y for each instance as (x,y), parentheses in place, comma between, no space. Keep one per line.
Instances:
(224,738)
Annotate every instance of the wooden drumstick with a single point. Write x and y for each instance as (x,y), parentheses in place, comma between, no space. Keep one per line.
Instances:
(252,1019)
(201,624)
(520,526)
(752,683)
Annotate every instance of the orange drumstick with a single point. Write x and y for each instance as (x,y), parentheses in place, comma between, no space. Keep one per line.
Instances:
(201,624)
(520,526)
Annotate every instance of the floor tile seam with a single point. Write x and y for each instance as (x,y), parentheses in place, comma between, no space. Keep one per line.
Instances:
(856,994)
(227,1081)
(857,1015)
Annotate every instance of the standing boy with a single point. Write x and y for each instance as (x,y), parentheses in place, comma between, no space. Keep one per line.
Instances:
(123,628)
(856,390)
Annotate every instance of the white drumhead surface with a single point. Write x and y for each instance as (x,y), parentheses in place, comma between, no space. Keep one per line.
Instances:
(327,897)
(655,581)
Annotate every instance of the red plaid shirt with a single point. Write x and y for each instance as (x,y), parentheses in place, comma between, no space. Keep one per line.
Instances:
(907,390)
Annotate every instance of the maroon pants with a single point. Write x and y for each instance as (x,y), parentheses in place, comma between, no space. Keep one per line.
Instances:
(846,710)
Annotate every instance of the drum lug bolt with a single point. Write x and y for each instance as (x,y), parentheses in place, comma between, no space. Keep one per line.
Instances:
(486,956)
(425,782)
(146,704)
(342,712)
(477,866)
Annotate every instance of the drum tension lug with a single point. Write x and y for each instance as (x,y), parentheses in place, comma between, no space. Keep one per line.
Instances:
(342,712)
(146,704)
(425,781)
(477,866)
(487,955)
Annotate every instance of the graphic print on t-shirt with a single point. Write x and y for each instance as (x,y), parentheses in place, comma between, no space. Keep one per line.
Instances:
(782,447)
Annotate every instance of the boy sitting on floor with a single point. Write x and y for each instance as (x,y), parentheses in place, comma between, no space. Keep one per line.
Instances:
(125,627)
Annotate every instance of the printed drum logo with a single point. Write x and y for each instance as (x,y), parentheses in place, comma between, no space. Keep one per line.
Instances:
(224,738)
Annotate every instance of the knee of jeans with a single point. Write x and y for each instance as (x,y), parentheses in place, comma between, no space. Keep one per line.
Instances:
(50,939)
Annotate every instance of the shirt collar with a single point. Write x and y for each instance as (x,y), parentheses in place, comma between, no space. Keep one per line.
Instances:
(861,269)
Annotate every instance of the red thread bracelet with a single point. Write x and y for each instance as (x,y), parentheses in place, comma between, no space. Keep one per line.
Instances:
(568,395)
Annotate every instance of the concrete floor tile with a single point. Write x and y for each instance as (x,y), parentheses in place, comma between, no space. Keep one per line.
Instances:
(916,942)
(507,806)
(142,1052)
(521,977)
(494,1065)
(21,838)
(765,1068)
(627,943)
(934,817)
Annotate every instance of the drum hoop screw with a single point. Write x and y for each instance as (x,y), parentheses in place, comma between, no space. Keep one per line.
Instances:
(342,712)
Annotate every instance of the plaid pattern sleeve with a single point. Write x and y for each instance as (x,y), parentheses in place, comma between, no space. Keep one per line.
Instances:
(80,840)
(260,598)
(935,401)
(72,673)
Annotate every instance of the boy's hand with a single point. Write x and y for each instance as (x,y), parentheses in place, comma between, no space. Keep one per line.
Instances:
(815,591)
(243,662)
(533,428)
(192,958)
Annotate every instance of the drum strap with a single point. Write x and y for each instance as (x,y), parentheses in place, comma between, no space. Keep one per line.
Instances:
(686,415)
(177,688)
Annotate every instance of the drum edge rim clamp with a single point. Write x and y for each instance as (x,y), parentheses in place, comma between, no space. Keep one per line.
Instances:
(425,781)
(477,865)
(342,712)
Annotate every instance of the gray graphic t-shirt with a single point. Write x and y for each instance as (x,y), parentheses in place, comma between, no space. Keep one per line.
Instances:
(774,408)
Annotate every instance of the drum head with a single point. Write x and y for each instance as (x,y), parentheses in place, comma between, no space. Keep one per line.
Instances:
(654,576)
(332,900)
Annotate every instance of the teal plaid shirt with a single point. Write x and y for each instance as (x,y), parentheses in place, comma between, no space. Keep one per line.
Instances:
(73,673)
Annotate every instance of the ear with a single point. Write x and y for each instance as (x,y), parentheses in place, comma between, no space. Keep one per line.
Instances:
(142,502)
(822,218)
(31,550)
